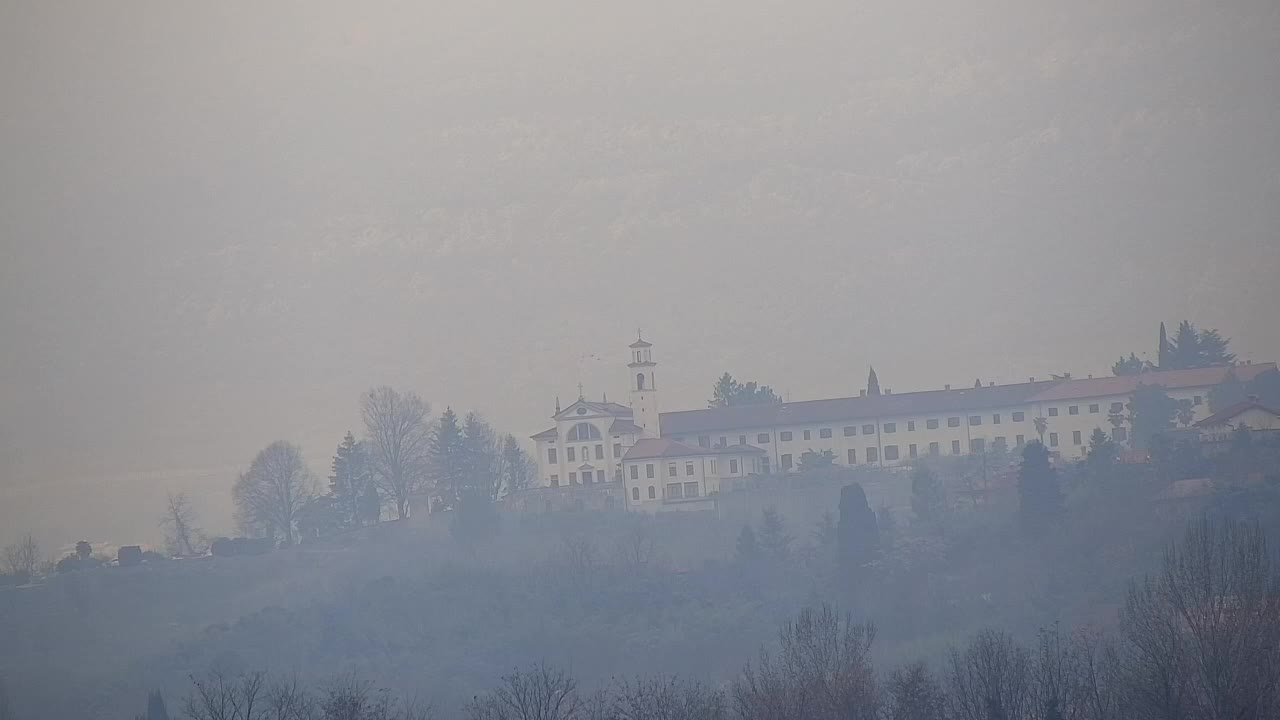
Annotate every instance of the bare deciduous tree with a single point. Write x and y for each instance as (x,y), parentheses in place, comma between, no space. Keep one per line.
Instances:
(181,535)
(990,679)
(514,468)
(22,558)
(914,694)
(219,697)
(352,699)
(637,549)
(254,697)
(822,671)
(541,693)
(288,700)
(1057,686)
(1099,676)
(270,494)
(1204,635)
(666,698)
(580,560)
(399,437)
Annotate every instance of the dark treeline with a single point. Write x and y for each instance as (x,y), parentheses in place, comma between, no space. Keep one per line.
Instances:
(1198,639)
(979,557)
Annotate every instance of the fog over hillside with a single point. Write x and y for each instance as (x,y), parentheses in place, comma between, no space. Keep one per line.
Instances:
(221,222)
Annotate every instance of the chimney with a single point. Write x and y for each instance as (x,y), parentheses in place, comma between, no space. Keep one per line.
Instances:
(1090,376)
(862,393)
(991,383)
(946,387)
(1031,379)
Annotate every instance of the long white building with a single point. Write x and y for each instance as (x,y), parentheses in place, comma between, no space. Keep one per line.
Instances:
(665,459)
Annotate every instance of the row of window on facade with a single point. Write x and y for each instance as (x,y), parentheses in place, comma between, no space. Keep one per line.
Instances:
(587,478)
(572,453)
(976,445)
(672,469)
(890,428)
(673,491)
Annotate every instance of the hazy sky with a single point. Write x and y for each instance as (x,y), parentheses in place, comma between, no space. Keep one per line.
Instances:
(220,223)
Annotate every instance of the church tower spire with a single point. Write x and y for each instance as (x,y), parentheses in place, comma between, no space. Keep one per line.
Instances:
(644,387)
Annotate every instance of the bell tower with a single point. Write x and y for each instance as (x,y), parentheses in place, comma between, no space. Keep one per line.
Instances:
(644,388)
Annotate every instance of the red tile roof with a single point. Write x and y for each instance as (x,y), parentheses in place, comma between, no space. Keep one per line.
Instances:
(852,408)
(646,448)
(1222,416)
(739,450)
(939,402)
(1125,385)
(624,427)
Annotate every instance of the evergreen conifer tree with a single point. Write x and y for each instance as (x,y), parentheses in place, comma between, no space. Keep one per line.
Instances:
(155,707)
(369,508)
(517,468)
(475,518)
(1151,412)
(747,550)
(857,528)
(1192,348)
(724,392)
(1163,358)
(1131,365)
(1211,349)
(1266,388)
(873,383)
(773,537)
(1102,449)
(1039,496)
(1227,393)
(446,455)
(350,475)
(927,498)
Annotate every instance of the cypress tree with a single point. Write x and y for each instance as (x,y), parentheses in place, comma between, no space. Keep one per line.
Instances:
(1039,497)
(873,383)
(1163,350)
(155,707)
(858,533)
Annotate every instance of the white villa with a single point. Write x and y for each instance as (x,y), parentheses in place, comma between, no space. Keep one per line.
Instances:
(667,459)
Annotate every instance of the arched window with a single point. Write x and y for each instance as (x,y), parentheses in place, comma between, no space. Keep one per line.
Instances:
(639,381)
(635,493)
(583,432)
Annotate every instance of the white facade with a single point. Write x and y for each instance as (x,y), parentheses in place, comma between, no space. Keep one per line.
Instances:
(586,444)
(589,439)
(892,429)
(593,442)
(661,474)
(1220,426)
(644,389)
